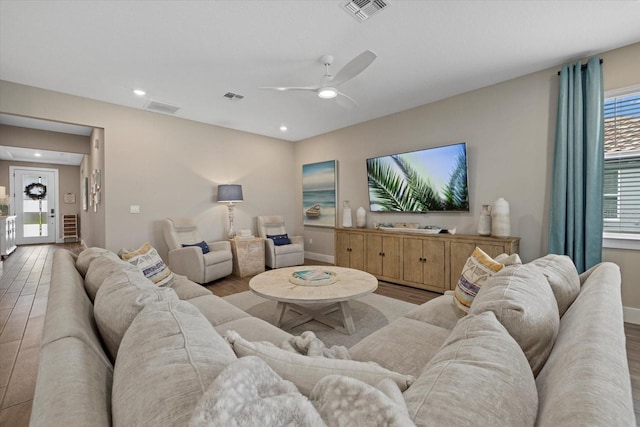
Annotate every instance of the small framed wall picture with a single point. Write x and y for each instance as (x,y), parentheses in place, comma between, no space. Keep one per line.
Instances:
(69,198)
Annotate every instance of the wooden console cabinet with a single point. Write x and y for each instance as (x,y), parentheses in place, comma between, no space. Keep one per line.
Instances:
(426,261)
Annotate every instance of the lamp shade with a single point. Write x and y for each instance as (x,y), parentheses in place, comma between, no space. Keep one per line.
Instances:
(230,193)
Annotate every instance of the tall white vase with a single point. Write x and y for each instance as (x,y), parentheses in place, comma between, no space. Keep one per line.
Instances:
(484,224)
(500,220)
(347,221)
(361,217)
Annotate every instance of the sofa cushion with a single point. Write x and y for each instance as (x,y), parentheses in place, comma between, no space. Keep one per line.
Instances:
(440,311)
(305,371)
(186,289)
(405,345)
(563,278)
(254,329)
(147,260)
(476,270)
(119,300)
(202,245)
(99,269)
(523,302)
(74,383)
(586,378)
(289,249)
(88,255)
(168,358)
(479,377)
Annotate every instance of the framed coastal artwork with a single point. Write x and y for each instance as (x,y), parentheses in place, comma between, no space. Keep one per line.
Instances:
(319,193)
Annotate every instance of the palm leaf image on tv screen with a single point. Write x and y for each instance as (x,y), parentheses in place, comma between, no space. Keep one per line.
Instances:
(427,180)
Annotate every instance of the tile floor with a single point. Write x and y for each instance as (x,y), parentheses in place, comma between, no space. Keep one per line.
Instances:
(24,287)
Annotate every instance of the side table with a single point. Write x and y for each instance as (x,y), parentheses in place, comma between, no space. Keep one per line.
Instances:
(248,256)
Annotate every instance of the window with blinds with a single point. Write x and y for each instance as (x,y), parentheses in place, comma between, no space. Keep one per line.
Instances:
(622,164)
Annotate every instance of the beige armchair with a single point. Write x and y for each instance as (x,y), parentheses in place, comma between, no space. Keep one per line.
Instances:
(284,255)
(191,261)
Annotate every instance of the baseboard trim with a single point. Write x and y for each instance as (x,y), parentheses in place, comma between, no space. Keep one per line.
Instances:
(631,315)
(319,257)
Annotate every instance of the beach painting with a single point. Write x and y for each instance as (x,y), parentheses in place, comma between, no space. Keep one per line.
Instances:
(319,193)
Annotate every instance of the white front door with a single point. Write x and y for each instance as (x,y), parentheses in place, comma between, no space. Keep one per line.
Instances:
(34,195)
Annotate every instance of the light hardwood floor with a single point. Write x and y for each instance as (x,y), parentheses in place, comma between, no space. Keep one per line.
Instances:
(24,287)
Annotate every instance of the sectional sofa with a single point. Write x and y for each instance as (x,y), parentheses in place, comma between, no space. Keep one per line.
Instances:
(541,345)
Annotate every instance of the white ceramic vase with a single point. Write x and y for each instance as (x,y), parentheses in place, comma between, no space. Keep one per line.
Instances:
(347,221)
(500,220)
(484,224)
(361,217)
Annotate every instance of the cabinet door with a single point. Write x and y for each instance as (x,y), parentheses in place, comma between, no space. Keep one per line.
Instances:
(356,252)
(374,254)
(391,257)
(342,249)
(460,251)
(412,266)
(434,266)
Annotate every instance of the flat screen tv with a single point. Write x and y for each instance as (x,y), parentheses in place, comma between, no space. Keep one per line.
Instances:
(429,180)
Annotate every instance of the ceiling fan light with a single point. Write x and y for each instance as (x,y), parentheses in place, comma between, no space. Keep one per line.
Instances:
(327,92)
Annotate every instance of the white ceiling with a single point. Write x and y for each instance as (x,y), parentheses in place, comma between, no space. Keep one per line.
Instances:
(190,53)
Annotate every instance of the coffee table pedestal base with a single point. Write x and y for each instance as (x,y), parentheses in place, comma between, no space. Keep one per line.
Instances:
(320,314)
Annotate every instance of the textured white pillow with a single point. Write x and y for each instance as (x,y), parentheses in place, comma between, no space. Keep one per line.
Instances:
(148,261)
(305,372)
(478,268)
(480,377)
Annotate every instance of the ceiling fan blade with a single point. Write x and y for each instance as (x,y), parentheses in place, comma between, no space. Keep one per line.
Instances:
(354,67)
(345,100)
(285,88)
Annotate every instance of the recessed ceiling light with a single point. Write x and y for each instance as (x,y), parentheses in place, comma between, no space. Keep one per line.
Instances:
(37,154)
(139,92)
(283,128)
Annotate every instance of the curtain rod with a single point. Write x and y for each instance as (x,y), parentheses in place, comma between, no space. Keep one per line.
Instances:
(583,66)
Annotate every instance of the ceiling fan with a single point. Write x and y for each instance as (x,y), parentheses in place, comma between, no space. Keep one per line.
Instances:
(327,89)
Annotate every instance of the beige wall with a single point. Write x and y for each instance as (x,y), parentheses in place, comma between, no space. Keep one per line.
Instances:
(44,140)
(68,182)
(509,130)
(168,166)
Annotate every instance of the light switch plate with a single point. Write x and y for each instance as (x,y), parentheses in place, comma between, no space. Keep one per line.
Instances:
(134,209)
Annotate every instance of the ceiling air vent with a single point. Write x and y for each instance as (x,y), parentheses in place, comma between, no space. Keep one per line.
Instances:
(233,96)
(161,107)
(365,9)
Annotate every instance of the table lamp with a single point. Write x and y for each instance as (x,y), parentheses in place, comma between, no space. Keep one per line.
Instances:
(230,194)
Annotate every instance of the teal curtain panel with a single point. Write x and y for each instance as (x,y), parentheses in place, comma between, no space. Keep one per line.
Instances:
(575,227)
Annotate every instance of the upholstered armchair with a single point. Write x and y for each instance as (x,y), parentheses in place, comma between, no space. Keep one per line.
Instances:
(187,252)
(277,252)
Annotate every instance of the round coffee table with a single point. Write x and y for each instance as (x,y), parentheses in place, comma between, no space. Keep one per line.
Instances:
(314,299)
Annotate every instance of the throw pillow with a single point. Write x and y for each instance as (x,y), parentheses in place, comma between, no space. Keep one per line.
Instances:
(119,300)
(168,358)
(563,278)
(523,302)
(88,255)
(249,393)
(478,377)
(476,270)
(147,259)
(279,239)
(202,245)
(305,372)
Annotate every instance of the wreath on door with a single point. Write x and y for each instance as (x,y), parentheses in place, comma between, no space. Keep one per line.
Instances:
(36,191)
